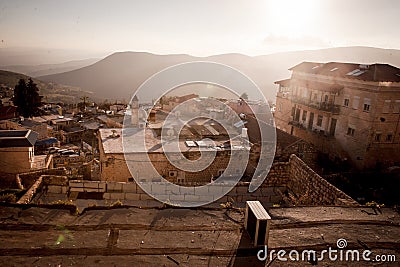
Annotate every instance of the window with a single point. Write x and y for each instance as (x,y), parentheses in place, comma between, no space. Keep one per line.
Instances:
(180,180)
(396,107)
(220,172)
(297,115)
(172,173)
(367,104)
(332,129)
(346,102)
(378,137)
(305,92)
(350,131)
(356,102)
(389,138)
(319,120)
(304,117)
(386,106)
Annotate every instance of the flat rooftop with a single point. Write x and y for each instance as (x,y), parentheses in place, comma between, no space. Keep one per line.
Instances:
(187,237)
(17,138)
(140,140)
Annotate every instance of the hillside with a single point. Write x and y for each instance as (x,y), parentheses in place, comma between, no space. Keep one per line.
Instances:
(48,69)
(118,75)
(10,79)
(51,92)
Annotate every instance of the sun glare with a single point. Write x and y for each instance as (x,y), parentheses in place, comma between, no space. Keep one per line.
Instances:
(292,18)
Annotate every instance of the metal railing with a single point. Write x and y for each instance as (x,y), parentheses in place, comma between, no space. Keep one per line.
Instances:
(323,106)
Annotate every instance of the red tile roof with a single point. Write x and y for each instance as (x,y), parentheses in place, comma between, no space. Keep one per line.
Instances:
(374,72)
(327,87)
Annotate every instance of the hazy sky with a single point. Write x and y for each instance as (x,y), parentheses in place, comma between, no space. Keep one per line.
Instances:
(199,27)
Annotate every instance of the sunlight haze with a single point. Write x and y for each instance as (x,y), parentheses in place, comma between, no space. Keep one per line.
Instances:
(198,28)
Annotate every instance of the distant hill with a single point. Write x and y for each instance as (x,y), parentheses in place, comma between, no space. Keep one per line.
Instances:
(34,56)
(51,92)
(10,79)
(118,75)
(47,69)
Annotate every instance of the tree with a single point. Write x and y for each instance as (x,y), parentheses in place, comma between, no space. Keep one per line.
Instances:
(82,105)
(244,96)
(27,98)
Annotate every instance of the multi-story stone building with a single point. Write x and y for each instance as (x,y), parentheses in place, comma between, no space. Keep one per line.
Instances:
(350,111)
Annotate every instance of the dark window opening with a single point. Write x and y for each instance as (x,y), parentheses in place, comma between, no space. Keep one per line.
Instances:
(304,115)
(319,120)
(350,131)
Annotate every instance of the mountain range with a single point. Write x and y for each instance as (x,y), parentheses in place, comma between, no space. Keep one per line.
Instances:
(47,69)
(118,75)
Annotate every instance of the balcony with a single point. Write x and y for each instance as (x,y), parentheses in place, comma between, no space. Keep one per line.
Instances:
(313,131)
(297,124)
(283,94)
(323,106)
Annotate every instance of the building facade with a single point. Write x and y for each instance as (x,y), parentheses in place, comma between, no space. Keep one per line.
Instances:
(349,111)
(17,153)
(114,156)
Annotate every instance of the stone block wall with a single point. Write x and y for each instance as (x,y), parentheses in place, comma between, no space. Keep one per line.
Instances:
(28,179)
(292,178)
(268,195)
(278,175)
(311,189)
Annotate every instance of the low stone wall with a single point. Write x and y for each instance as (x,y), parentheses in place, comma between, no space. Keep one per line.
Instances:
(56,184)
(311,189)
(293,183)
(48,183)
(278,175)
(27,179)
(27,197)
(131,191)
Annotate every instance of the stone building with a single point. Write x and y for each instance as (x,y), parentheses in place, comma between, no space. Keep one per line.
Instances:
(41,128)
(349,111)
(17,153)
(170,103)
(141,156)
